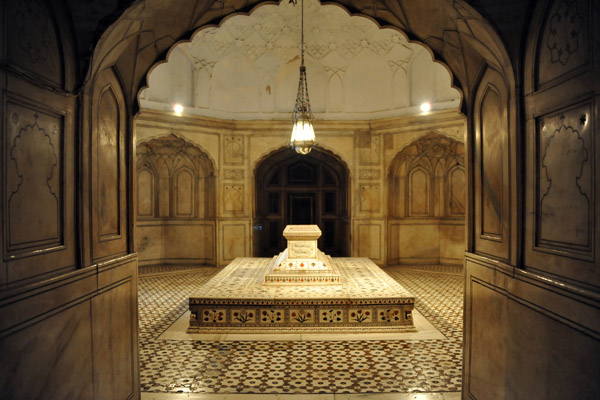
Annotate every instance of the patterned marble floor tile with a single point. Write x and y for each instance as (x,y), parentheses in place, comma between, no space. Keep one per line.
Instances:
(307,367)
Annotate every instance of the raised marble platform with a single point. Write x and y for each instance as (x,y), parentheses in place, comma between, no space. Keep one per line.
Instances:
(236,301)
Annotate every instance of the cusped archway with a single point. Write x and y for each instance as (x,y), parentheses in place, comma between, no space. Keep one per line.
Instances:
(247,68)
(456,34)
(301,189)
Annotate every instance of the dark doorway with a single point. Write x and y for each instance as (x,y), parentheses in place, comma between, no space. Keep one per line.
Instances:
(301,189)
(301,208)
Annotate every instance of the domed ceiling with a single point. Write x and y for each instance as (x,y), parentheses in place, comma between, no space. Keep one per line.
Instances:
(248,68)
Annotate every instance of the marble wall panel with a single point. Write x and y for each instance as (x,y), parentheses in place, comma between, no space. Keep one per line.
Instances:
(487,340)
(456,201)
(419,243)
(114,315)
(46,359)
(425,242)
(234,241)
(184,193)
(114,354)
(72,336)
(233,199)
(172,242)
(563,203)
(34,43)
(109,168)
(35,198)
(565,195)
(452,242)
(393,243)
(38,188)
(145,193)
(369,174)
(233,150)
(42,303)
(564,44)
(369,240)
(533,369)
(164,195)
(491,166)
(370,198)
(419,193)
(527,336)
(369,149)
(233,174)
(562,147)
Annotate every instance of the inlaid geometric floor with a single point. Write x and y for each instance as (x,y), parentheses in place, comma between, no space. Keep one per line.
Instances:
(352,366)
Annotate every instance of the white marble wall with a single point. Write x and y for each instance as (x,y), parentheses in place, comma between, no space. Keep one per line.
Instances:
(367,148)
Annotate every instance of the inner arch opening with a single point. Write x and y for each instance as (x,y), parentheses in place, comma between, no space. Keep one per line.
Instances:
(294,189)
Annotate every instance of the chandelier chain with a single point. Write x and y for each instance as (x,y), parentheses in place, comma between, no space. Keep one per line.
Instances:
(302,30)
(303,135)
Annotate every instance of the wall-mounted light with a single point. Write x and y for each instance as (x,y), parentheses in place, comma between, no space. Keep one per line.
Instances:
(178,109)
(426,107)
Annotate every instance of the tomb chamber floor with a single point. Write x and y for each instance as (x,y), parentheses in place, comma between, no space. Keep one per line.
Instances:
(288,366)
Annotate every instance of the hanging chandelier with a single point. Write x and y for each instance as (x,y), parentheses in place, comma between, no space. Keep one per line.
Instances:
(303,134)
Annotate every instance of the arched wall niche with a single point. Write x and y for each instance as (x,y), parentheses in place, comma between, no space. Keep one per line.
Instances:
(110,222)
(491,168)
(175,203)
(427,199)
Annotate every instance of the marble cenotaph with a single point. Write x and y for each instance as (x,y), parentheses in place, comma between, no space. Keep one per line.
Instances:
(301,290)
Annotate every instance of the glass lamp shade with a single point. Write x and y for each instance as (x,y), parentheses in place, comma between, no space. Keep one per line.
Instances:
(303,135)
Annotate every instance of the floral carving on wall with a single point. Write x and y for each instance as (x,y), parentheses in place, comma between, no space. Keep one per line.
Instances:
(565,26)
(565,183)
(34,30)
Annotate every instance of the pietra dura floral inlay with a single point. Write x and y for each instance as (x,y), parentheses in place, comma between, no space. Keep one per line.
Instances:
(238,289)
